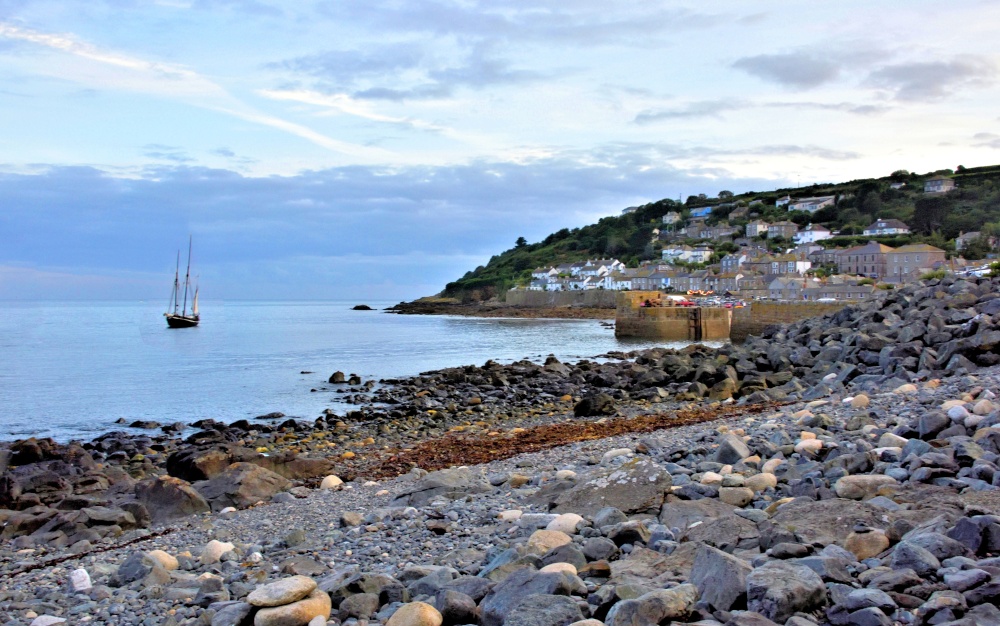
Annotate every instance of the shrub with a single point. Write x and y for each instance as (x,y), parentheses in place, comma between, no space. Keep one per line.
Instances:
(935,275)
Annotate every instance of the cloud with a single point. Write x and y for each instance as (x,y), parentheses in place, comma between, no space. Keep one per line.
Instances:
(406,71)
(987,140)
(933,80)
(715,109)
(798,70)
(706,108)
(166,153)
(254,235)
(173,82)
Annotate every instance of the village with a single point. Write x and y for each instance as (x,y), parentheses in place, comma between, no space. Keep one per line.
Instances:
(751,262)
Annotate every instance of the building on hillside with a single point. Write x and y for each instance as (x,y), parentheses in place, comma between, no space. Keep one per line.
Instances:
(631,209)
(783,201)
(896,185)
(791,288)
(867,260)
(881,228)
(789,264)
(721,231)
(824,256)
(701,212)
(812,233)
(788,230)
(842,291)
(671,217)
(721,283)
(543,273)
(731,262)
(907,263)
(964,239)
(756,228)
(938,184)
(811,205)
(739,212)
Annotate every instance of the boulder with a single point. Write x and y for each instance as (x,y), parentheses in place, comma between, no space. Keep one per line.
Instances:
(521,584)
(600,404)
(451,483)
(168,498)
(637,486)
(720,578)
(731,450)
(284,591)
(544,610)
(862,486)
(656,607)
(241,485)
(779,589)
(416,614)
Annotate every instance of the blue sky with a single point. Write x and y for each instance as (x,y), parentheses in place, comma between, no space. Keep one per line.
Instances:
(376,149)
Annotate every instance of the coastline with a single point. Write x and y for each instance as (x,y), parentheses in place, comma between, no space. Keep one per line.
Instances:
(843,443)
(443,306)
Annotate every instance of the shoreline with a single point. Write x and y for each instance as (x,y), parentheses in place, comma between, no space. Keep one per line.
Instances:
(490,310)
(886,412)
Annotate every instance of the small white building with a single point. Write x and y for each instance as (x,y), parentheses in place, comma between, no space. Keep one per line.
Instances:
(783,201)
(672,217)
(812,233)
(881,228)
(811,205)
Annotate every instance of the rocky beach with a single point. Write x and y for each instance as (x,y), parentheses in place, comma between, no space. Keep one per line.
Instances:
(839,470)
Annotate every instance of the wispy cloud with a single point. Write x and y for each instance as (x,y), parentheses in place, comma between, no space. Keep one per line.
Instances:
(934,80)
(706,108)
(798,70)
(176,82)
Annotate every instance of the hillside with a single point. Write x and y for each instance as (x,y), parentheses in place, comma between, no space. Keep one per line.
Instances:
(633,236)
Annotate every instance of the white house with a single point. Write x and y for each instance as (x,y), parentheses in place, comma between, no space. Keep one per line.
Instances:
(701,254)
(886,227)
(938,184)
(631,209)
(543,273)
(812,233)
(672,217)
(783,201)
(811,205)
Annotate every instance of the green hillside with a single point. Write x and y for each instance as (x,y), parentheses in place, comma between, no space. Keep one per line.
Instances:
(935,219)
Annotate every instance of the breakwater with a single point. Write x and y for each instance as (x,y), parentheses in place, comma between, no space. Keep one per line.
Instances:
(753,319)
(591,299)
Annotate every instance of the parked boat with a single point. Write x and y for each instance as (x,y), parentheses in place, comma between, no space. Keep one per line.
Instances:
(178,316)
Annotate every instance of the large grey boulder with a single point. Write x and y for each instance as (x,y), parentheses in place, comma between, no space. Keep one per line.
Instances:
(518,586)
(241,485)
(779,589)
(450,483)
(720,578)
(656,607)
(637,486)
(168,498)
(544,610)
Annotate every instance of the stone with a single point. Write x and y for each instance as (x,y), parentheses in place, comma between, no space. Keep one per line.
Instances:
(331,482)
(79,581)
(450,483)
(809,446)
(517,586)
(47,620)
(779,589)
(867,545)
(731,450)
(241,485)
(907,555)
(416,614)
(298,613)
(565,523)
(544,610)
(860,401)
(861,486)
(889,440)
(655,607)
(168,498)
(720,577)
(736,496)
(637,486)
(284,591)
(541,541)
(906,389)
(165,560)
(214,550)
(231,613)
(760,482)
(455,607)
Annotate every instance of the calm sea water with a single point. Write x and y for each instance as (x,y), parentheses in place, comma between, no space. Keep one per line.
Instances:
(70,370)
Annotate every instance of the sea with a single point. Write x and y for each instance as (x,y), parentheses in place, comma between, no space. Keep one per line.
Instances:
(71,370)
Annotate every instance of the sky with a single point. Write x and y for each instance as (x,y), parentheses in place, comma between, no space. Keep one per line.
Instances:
(378,149)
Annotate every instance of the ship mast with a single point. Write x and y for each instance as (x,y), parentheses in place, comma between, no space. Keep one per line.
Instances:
(177,282)
(187,278)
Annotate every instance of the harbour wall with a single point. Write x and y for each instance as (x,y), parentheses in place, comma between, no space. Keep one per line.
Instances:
(671,323)
(753,319)
(591,299)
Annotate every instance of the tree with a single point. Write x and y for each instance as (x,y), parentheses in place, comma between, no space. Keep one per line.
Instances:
(521,242)
(725,194)
(871,203)
(929,213)
(899,176)
(977,249)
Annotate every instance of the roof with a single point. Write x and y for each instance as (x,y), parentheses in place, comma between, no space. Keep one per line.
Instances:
(816,199)
(869,248)
(917,247)
(887,224)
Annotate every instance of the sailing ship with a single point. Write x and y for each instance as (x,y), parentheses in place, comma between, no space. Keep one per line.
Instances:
(177,315)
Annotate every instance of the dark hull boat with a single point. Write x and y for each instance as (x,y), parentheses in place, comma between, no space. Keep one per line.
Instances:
(179,317)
